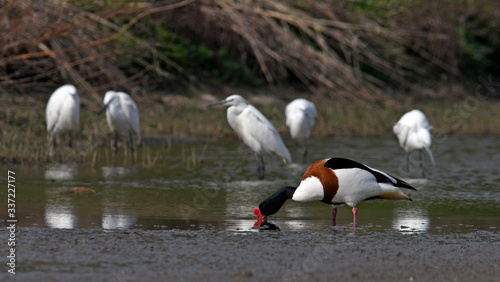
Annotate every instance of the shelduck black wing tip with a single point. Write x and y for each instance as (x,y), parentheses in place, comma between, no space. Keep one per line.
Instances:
(342,163)
(404,184)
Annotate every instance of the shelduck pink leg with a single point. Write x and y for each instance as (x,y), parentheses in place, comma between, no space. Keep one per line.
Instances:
(355,215)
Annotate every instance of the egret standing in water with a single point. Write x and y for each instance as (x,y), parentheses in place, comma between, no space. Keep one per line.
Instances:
(123,117)
(256,131)
(300,115)
(63,112)
(413,132)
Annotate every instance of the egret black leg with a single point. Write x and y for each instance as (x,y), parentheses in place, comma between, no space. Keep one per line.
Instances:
(407,162)
(295,148)
(261,168)
(54,140)
(132,147)
(115,151)
(304,155)
(421,163)
(70,139)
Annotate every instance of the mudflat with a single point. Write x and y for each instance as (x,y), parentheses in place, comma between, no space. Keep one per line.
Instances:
(340,253)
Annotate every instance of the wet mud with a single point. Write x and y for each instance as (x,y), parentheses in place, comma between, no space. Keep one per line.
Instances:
(214,255)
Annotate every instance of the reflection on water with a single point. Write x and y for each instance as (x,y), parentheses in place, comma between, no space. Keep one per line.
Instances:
(59,212)
(115,216)
(117,221)
(242,190)
(60,220)
(460,193)
(116,171)
(61,172)
(62,212)
(411,220)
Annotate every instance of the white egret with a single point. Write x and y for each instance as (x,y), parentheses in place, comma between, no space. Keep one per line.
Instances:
(63,112)
(300,115)
(122,116)
(256,131)
(413,132)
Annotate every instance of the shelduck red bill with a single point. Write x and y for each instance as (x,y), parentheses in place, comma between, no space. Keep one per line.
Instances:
(256,211)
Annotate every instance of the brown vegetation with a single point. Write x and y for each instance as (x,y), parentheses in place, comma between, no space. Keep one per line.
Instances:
(45,44)
(350,50)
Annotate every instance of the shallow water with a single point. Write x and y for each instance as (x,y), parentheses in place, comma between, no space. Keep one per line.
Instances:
(214,186)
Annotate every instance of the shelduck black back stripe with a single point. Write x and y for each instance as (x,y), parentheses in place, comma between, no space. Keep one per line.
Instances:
(341,163)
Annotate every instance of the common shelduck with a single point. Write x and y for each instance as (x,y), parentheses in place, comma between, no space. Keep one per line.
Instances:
(413,132)
(256,131)
(300,115)
(337,181)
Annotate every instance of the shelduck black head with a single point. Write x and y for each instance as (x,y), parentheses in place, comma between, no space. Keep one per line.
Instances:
(273,203)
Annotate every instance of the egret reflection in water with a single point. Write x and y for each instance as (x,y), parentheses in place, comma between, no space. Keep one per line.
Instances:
(61,172)
(411,220)
(59,212)
(116,171)
(118,221)
(60,220)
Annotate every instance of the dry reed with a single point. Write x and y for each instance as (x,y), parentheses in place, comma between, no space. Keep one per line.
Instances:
(329,46)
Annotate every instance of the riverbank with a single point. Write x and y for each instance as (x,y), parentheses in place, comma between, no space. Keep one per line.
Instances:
(180,117)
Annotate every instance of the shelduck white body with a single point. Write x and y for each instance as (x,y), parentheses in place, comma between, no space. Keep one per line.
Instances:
(338,181)
(63,112)
(255,130)
(300,115)
(122,116)
(413,132)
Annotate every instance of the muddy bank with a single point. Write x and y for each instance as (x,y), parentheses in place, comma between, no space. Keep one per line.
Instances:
(212,255)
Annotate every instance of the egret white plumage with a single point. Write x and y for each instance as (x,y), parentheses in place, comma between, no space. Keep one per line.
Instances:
(413,132)
(337,181)
(300,115)
(122,116)
(256,131)
(63,112)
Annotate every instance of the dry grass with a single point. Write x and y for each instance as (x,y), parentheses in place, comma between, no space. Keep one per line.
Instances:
(24,137)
